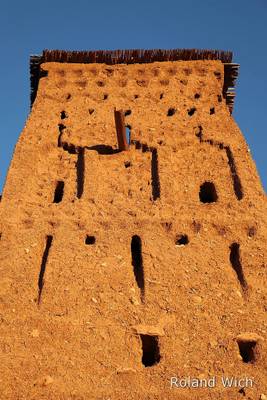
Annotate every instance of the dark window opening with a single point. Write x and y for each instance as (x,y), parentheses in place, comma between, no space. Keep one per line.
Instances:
(49,240)
(171,112)
(127,164)
(105,97)
(63,115)
(181,240)
(212,111)
(191,111)
(151,353)
(91,110)
(89,240)
(59,192)
(136,96)
(127,112)
(247,350)
(219,98)
(100,83)
(68,97)
(137,263)
(236,264)
(197,96)
(207,193)
(161,96)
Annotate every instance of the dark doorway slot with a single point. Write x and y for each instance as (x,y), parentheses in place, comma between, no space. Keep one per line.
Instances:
(49,240)
(155,174)
(80,172)
(59,192)
(212,111)
(207,193)
(247,350)
(150,347)
(236,264)
(137,263)
(89,240)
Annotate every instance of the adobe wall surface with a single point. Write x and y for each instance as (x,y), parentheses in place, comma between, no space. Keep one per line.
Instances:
(72,314)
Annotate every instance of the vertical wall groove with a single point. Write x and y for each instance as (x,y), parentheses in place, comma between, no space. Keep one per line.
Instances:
(49,240)
(236,180)
(137,263)
(80,171)
(237,266)
(155,174)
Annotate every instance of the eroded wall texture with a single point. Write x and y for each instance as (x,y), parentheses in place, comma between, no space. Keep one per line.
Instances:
(120,270)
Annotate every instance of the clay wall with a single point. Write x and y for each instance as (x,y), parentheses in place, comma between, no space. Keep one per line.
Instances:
(102,251)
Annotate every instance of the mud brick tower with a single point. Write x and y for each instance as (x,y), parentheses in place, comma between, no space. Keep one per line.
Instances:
(133,231)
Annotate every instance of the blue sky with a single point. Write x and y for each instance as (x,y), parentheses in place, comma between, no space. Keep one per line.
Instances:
(27,27)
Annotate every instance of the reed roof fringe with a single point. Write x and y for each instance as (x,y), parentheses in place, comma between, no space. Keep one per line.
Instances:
(134,56)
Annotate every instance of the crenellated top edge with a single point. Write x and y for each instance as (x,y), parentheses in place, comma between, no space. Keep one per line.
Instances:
(133,56)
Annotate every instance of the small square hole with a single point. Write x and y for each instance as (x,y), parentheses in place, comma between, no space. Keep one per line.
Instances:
(90,240)
(247,350)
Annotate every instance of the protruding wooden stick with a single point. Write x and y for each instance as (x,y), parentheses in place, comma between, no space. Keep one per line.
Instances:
(121,130)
